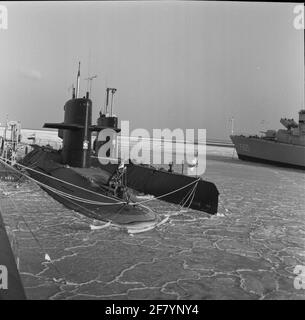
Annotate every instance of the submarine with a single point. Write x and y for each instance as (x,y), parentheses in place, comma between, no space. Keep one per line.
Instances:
(108,192)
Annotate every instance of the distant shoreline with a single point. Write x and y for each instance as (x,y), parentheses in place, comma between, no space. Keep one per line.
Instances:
(210,142)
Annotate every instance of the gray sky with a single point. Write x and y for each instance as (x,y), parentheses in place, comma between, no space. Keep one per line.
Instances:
(175,64)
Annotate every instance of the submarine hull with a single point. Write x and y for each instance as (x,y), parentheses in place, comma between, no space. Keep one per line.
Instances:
(158,183)
(67,185)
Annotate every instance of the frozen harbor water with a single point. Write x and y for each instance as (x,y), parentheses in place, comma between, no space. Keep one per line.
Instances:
(248,251)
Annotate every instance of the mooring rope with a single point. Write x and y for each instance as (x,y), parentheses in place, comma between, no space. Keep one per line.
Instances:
(92,201)
(64,193)
(192,195)
(171,192)
(68,183)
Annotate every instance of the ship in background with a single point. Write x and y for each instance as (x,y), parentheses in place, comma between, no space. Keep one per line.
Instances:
(284,147)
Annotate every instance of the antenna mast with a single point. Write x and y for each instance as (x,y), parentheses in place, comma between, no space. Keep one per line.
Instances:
(232,125)
(89,79)
(78,81)
(112,90)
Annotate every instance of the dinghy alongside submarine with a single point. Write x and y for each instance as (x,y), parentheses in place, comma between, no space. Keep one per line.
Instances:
(76,178)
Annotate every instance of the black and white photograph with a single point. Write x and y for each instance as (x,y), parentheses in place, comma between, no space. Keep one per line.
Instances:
(152,151)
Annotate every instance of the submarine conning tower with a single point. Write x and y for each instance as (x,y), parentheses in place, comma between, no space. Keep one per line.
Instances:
(77,141)
(107,118)
(75,132)
(76,129)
